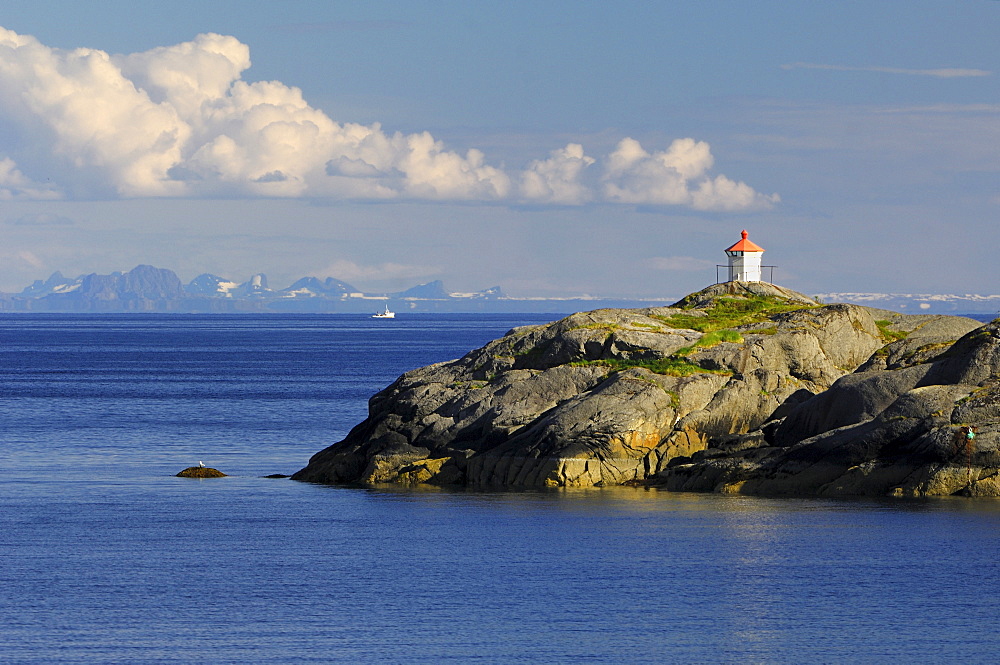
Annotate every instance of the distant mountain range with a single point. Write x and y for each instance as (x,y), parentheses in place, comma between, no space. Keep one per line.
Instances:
(149,289)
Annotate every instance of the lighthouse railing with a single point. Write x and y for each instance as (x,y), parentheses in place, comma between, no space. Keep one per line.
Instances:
(769,280)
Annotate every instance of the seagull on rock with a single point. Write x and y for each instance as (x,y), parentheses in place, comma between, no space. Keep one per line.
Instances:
(201,464)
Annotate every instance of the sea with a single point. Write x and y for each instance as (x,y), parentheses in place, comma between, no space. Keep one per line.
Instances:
(107,557)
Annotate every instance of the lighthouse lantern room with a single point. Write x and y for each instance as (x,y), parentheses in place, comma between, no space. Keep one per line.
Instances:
(744,260)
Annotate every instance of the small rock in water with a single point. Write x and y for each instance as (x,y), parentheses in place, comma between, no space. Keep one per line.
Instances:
(278,475)
(200,472)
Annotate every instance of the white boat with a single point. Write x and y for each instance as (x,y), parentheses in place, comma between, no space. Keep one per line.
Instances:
(384,315)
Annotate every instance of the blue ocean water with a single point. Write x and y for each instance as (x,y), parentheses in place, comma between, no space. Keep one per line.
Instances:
(106,557)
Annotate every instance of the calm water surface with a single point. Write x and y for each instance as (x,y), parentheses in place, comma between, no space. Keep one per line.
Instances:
(106,557)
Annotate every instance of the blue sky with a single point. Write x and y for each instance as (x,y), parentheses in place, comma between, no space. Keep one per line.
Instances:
(553,148)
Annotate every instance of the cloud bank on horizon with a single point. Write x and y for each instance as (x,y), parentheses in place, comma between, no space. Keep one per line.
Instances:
(179,121)
(941,72)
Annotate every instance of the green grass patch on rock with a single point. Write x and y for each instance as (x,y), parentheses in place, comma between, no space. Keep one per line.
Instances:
(890,335)
(731,313)
(710,339)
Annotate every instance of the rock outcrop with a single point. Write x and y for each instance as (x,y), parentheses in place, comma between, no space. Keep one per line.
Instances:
(200,472)
(895,427)
(740,387)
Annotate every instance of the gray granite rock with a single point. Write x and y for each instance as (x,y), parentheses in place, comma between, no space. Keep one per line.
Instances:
(799,398)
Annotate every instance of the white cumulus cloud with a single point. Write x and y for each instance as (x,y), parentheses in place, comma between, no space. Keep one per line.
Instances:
(79,106)
(557,179)
(675,176)
(179,121)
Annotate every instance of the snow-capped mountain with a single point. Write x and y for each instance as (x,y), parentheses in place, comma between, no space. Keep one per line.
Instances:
(311,287)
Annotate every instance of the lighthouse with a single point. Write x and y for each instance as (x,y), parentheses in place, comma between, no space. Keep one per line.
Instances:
(744,260)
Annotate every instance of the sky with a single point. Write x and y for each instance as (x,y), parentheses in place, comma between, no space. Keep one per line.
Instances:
(552,148)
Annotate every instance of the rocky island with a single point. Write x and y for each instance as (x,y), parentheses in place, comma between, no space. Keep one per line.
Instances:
(200,472)
(743,387)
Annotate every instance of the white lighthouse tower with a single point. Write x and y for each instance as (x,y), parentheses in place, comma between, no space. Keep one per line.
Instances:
(744,260)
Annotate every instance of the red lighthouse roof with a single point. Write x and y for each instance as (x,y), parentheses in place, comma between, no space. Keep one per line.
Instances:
(745,245)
